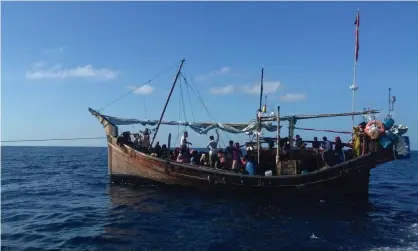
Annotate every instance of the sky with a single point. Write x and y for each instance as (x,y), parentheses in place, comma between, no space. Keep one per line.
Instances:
(59,58)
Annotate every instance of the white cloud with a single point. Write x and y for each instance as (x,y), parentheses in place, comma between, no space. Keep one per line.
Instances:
(293,97)
(268,88)
(57,72)
(228,89)
(221,72)
(143,90)
(54,50)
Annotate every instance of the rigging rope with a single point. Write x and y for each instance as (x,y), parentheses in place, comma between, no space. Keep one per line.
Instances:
(136,88)
(190,102)
(27,140)
(203,103)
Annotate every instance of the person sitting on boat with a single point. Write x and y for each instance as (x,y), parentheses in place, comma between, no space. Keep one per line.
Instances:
(164,151)
(183,140)
(248,165)
(236,157)
(157,149)
(213,149)
(180,158)
(194,157)
(175,153)
(124,139)
(316,144)
(185,154)
(338,150)
(137,140)
(298,141)
(228,154)
(203,160)
(220,162)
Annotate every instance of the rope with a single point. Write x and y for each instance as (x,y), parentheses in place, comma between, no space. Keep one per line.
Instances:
(27,140)
(190,101)
(204,105)
(134,89)
(323,130)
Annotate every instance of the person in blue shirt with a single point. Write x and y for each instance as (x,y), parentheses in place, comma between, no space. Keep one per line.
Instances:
(249,165)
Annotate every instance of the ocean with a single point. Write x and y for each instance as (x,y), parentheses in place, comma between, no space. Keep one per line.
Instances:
(60,198)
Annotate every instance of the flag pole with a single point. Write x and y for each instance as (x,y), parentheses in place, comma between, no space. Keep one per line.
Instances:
(354,86)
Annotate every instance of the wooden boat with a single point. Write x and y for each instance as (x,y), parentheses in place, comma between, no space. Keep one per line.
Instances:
(349,178)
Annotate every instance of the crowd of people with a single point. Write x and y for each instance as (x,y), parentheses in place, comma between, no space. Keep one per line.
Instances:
(230,158)
(331,152)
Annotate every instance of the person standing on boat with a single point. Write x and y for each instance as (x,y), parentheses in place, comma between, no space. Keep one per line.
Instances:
(327,154)
(228,154)
(315,144)
(339,153)
(326,144)
(183,140)
(236,157)
(213,149)
(145,138)
(298,141)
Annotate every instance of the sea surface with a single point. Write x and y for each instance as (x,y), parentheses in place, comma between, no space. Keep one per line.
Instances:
(60,198)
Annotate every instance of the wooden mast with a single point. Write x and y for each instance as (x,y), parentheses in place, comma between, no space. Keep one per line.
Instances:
(259,116)
(278,136)
(168,99)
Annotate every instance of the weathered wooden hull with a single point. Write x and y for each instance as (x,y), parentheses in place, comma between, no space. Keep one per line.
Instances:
(347,179)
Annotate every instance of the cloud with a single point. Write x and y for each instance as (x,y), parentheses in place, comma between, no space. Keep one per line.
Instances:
(143,90)
(57,72)
(228,89)
(293,97)
(54,50)
(268,88)
(220,72)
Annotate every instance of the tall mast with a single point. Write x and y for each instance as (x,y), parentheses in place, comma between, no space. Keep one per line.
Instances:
(261,87)
(168,99)
(354,86)
(259,116)
(389,102)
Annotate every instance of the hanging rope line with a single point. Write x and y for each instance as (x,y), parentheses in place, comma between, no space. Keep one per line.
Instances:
(323,130)
(136,88)
(59,139)
(196,91)
(190,102)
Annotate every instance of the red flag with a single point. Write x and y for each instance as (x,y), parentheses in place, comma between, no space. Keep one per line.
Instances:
(357,23)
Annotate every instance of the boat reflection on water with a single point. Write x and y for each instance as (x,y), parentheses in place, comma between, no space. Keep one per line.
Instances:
(166,218)
(157,201)
(140,200)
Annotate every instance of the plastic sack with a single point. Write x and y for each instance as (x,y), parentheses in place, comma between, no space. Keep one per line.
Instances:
(399,129)
(401,146)
(391,135)
(385,141)
(388,123)
(373,131)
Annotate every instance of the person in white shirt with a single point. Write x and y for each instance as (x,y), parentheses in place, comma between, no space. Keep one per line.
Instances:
(183,140)
(213,149)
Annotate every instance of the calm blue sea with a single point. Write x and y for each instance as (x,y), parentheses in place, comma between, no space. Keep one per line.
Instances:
(59,198)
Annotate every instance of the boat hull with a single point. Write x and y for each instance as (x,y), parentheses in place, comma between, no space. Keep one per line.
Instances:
(127,165)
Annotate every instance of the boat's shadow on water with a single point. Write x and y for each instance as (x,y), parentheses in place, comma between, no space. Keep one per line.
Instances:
(305,222)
